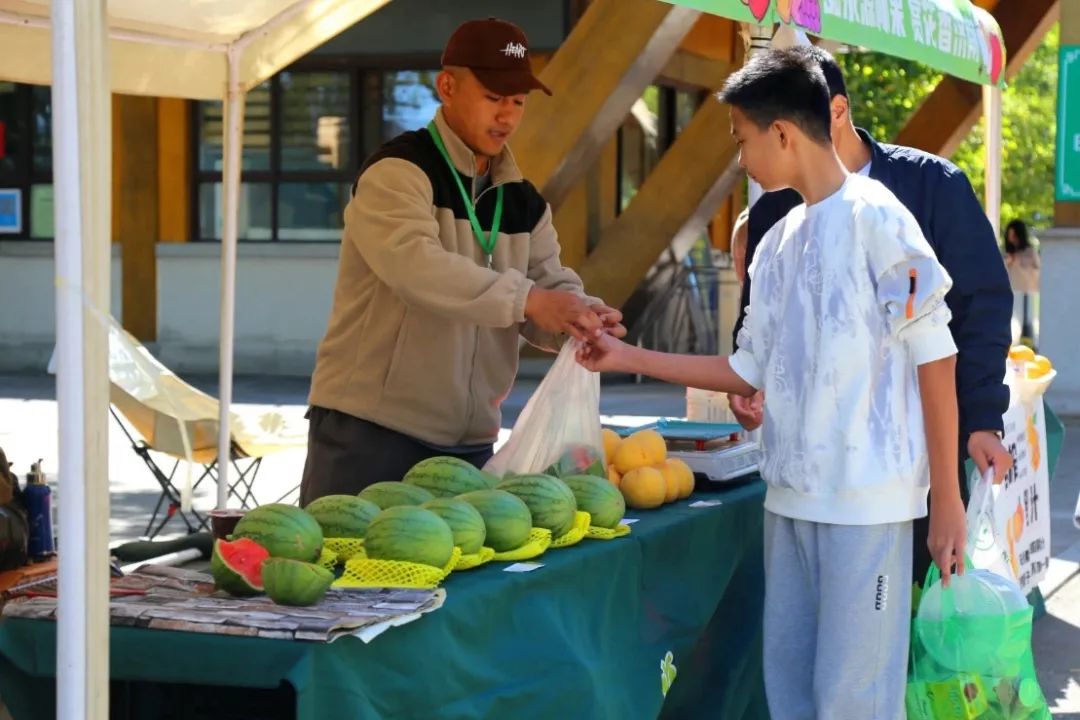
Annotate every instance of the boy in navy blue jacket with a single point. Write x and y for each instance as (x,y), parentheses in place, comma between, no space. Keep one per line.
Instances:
(940,197)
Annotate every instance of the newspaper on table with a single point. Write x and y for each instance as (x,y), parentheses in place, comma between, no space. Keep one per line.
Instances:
(168,598)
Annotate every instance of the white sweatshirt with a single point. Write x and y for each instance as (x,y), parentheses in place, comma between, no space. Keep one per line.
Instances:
(847,301)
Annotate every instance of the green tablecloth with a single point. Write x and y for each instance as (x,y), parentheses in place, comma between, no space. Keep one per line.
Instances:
(582,637)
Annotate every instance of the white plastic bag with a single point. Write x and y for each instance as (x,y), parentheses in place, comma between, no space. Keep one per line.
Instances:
(558,432)
(984,541)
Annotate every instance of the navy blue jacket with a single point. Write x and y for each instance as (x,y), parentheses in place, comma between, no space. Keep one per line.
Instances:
(940,197)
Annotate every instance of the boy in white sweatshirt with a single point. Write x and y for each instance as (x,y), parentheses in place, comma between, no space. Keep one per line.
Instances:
(847,333)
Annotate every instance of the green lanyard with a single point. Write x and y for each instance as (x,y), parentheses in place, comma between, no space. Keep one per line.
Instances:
(486,244)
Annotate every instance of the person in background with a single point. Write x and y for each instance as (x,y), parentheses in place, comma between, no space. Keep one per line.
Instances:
(739,237)
(951,218)
(738,245)
(1022,261)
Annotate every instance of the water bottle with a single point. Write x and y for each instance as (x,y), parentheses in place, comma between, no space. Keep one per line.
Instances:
(39,511)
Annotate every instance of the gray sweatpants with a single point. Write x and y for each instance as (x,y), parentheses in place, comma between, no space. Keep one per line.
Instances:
(837,619)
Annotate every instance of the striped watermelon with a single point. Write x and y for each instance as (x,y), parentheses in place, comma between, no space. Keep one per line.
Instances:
(506,518)
(285,530)
(389,494)
(599,498)
(409,533)
(291,582)
(464,520)
(550,501)
(446,476)
(342,516)
(579,460)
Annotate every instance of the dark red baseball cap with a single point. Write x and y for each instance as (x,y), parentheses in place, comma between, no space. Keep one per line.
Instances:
(497,52)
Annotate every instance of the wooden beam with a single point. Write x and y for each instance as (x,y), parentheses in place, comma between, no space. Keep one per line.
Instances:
(944,119)
(712,37)
(680,196)
(690,70)
(614,51)
(136,125)
(175,166)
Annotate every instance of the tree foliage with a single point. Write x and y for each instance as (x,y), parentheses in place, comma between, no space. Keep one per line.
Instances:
(885,91)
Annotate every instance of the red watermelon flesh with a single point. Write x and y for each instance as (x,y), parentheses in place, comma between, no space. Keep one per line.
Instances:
(237,566)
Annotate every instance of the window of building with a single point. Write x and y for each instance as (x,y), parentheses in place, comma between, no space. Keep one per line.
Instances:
(652,125)
(298,159)
(306,133)
(409,100)
(26,192)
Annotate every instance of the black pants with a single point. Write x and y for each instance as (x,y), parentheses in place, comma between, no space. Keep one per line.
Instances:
(346,454)
(921,529)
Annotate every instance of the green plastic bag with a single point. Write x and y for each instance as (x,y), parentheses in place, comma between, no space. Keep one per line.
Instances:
(971,658)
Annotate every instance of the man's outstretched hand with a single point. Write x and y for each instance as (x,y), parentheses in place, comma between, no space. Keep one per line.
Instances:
(560,311)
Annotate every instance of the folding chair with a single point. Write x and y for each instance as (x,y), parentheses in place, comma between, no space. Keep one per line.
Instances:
(166,415)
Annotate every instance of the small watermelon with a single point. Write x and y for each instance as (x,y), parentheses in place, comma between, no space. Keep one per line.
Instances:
(284,530)
(599,498)
(464,520)
(506,518)
(550,501)
(342,516)
(579,460)
(409,533)
(389,494)
(446,476)
(291,582)
(237,566)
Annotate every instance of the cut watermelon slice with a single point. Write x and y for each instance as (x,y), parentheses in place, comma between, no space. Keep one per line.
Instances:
(237,566)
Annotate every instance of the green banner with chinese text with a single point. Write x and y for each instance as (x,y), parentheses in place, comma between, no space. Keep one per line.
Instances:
(952,36)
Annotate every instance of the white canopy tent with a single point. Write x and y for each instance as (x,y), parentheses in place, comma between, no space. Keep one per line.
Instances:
(197,49)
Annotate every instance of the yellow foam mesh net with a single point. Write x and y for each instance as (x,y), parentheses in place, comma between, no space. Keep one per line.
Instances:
(602,533)
(576,532)
(345,548)
(472,560)
(327,558)
(362,571)
(539,541)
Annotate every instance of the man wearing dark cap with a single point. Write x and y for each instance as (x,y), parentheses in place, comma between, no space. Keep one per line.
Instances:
(447,257)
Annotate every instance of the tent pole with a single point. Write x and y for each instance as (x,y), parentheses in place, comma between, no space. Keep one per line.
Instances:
(82,158)
(992,116)
(234,137)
